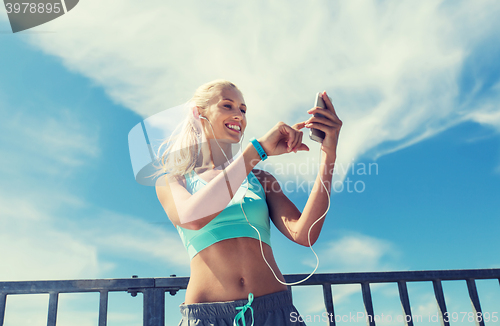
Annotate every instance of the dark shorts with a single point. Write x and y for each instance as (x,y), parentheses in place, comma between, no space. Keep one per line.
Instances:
(275,309)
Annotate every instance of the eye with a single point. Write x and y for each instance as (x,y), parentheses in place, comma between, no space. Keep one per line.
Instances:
(229,106)
(243,111)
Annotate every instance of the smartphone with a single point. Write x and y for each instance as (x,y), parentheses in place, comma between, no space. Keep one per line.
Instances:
(315,134)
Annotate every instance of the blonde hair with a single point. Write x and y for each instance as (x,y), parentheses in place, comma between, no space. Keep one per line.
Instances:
(182,150)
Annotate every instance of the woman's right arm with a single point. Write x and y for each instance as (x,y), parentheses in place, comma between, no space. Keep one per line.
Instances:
(193,211)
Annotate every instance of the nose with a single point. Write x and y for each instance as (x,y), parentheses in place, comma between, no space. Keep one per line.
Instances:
(238,115)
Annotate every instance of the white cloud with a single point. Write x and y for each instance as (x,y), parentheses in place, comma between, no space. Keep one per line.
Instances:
(34,249)
(40,148)
(40,155)
(309,299)
(42,144)
(3,14)
(427,309)
(359,253)
(391,67)
(130,237)
(26,309)
(38,243)
(351,253)
(488,116)
(42,242)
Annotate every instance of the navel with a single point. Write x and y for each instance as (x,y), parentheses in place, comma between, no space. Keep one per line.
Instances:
(242,281)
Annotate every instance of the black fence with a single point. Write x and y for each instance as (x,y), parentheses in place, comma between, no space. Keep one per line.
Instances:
(154,289)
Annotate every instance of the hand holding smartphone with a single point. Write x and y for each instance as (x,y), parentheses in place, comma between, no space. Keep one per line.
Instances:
(315,134)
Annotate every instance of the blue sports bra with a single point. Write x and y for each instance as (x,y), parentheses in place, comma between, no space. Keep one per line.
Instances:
(231,222)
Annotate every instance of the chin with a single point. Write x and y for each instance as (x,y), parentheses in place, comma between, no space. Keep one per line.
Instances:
(235,138)
(226,139)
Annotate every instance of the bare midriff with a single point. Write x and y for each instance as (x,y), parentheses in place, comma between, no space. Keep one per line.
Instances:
(231,269)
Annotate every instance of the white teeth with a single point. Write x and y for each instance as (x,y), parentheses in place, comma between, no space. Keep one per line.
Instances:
(234,127)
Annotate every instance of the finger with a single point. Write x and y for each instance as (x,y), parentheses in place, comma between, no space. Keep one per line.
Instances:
(293,140)
(285,129)
(329,103)
(290,135)
(322,120)
(319,126)
(299,125)
(298,141)
(295,148)
(325,112)
(303,147)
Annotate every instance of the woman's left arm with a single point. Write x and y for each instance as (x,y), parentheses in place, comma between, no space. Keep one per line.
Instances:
(284,214)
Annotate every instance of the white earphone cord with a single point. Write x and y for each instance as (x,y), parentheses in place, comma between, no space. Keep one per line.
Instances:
(260,239)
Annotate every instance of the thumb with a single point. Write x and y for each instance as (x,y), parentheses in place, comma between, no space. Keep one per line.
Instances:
(303,147)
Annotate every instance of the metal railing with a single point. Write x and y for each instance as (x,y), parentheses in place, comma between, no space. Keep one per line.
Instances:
(154,289)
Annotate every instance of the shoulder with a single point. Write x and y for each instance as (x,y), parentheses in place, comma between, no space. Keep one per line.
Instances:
(266,178)
(170,179)
(164,184)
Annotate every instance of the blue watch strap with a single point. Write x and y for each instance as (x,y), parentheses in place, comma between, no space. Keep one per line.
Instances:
(259,148)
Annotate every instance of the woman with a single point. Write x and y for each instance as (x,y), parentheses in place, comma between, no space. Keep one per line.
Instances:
(202,194)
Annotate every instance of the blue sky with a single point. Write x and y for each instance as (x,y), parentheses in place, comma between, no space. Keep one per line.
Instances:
(416,85)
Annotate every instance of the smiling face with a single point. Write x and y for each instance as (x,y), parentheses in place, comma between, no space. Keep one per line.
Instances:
(226,112)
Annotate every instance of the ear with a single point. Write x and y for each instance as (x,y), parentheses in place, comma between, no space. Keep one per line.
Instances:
(196,112)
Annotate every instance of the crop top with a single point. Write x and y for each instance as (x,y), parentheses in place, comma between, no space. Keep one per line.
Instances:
(230,223)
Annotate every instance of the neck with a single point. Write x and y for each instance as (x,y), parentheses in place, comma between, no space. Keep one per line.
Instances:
(211,155)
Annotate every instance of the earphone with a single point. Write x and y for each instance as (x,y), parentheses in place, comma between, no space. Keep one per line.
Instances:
(260,239)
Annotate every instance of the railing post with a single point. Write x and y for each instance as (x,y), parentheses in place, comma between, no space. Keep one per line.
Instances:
(3,301)
(103,308)
(52,317)
(154,307)
(327,295)
(367,300)
(438,291)
(474,299)
(405,302)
